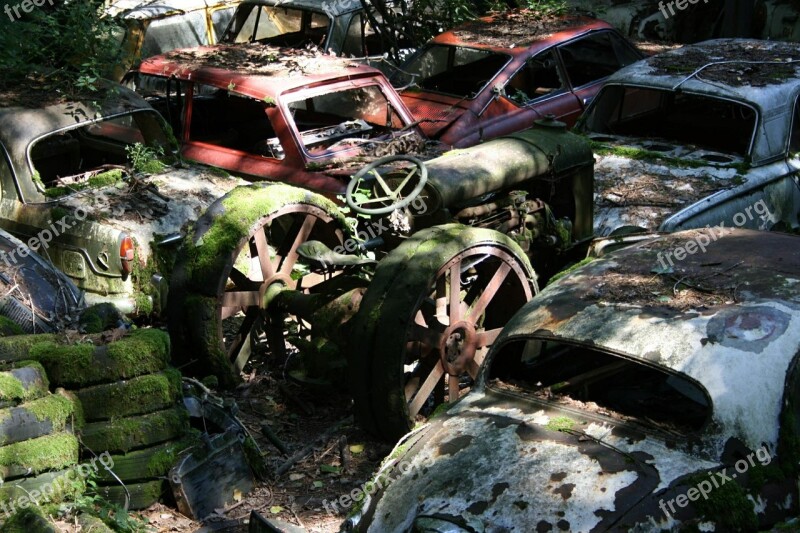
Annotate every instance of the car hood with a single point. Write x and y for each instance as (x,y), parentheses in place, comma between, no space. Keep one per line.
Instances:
(152,207)
(491,466)
(434,117)
(641,182)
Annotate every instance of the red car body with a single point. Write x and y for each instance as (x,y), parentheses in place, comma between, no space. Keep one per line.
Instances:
(562,63)
(270,88)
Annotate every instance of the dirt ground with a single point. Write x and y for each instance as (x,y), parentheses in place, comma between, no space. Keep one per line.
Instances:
(344,457)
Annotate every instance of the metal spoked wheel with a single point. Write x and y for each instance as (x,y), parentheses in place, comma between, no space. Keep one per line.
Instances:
(222,305)
(435,306)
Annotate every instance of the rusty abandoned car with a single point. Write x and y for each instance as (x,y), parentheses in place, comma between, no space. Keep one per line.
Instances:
(499,74)
(622,400)
(699,136)
(458,231)
(339,27)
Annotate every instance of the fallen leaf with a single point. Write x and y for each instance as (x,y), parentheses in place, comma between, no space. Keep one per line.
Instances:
(318,484)
(355,449)
(329,469)
(237,495)
(275,509)
(295,477)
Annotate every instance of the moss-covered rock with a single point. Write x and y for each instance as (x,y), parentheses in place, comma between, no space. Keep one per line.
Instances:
(92,524)
(727,506)
(143,351)
(50,452)
(129,433)
(100,317)
(137,396)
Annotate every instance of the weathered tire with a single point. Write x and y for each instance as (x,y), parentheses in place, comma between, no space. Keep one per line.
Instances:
(30,457)
(28,520)
(56,486)
(391,326)
(16,348)
(137,396)
(50,414)
(142,495)
(146,463)
(22,384)
(143,351)
(247,219)
(125,434)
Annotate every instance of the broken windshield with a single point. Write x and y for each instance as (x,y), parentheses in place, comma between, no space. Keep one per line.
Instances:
(593,381)
(674,117)
(94,154)
(278,26)
(452,70)
(340,120)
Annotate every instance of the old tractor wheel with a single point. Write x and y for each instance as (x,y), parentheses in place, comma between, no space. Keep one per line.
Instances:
(244,251)
(435,305)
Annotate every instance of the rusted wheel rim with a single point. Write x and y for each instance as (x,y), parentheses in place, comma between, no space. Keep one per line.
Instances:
(471,298)
(269,257)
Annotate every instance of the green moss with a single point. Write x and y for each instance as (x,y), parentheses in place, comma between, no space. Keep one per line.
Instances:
(8,327)
(51,452)
(100,317)
(571,269)
(254,458)
(640,154)
(28,520)
(17,348)
(127,433)
(14,390)
(560,423)
(136,396)
(440,409)
(241,209)
(143,351)
(95,182)
(144,303)
(57,408)
(727,505)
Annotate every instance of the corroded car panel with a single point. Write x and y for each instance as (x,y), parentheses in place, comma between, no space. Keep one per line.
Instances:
(684,142)
(604,446)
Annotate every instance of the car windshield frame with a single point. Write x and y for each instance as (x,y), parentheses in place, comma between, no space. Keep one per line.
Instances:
(607,89)
(229,38)
(484,382)
(414,82)
(78,125)
(302,93)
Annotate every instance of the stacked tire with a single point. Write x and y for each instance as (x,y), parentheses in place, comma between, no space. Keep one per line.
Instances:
(38,446)
(135,422)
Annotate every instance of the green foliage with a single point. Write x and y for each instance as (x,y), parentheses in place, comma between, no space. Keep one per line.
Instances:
(145,159)
(112,514)
(65,46)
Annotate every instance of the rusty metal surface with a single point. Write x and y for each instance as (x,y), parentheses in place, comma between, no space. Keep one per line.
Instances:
(499,460)
(733,326)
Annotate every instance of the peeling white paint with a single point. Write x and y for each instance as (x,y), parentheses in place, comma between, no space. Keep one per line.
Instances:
(529,497)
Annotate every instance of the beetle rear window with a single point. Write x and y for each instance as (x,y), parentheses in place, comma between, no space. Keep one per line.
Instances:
(71,160)
(453,70)
(590,380)
(682,118)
